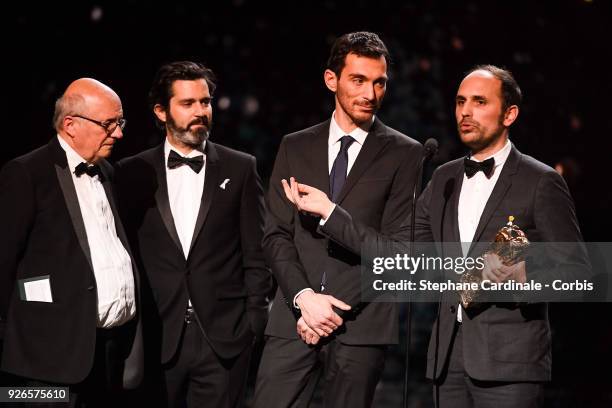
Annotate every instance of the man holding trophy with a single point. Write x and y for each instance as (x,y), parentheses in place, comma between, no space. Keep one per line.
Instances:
(494,354)
(483,354)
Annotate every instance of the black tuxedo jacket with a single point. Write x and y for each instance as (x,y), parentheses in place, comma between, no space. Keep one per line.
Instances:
(377,192)
(501,341)
(43,234)
(225,274)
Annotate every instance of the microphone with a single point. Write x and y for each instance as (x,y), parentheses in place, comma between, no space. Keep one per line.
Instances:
(430,148)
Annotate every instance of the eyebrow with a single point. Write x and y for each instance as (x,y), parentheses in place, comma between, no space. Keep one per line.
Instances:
(113,119)
(357,75)
(473,97)
(194,99)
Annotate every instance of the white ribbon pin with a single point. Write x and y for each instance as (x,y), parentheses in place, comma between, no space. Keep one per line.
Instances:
(222,185)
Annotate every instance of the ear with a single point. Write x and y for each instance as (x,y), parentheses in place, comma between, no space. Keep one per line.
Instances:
(331,81)
(510,115)
(160,112)
(68,124)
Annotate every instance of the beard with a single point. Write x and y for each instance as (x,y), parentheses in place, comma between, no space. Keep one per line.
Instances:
(484,137)
(190,137)
(351,108)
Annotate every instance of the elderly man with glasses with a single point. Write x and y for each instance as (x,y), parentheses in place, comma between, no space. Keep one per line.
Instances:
(68,287)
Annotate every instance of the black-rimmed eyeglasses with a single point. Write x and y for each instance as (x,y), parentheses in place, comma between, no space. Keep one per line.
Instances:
(108,125)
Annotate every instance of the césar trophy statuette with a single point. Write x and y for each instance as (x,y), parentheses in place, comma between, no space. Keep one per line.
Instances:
(510,245)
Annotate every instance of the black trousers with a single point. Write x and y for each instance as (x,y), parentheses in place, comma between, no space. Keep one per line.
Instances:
(103,385)
(456,389)
(197,377)
(288,373)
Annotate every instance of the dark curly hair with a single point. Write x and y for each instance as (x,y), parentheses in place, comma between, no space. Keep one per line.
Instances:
(161,90)
(362,43)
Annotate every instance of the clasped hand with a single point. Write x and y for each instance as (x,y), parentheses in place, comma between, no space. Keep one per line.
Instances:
(318,316)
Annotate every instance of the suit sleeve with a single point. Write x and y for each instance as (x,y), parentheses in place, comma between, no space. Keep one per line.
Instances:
(394,231)
(17,213)
(257,277)
(357,237)
(281,253)
(561,253)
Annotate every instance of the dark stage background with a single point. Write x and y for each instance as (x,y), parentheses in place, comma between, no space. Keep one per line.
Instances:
(269,63)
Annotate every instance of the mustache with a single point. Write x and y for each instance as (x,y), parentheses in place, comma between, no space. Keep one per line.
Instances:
(469,122)
(367,105)
(203,121)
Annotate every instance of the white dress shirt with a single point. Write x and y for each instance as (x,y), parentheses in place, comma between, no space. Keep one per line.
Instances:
(333,148)
(333,144)
(475,193)
(111,263)
(185,188)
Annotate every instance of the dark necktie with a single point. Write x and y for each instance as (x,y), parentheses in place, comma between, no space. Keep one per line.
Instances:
(472,167)
(337,176)
(84,168)
(175,160)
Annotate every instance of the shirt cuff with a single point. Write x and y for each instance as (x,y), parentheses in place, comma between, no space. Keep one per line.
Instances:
(298,294)
(324,220)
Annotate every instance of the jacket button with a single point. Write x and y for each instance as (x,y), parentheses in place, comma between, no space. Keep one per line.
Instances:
(452,309)
(90,287)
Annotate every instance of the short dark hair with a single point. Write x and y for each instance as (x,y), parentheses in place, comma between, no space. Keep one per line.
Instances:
(362,43)
(161,90)
(510,90)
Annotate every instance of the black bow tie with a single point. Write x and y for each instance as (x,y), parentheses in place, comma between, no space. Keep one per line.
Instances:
(472,167)
(84,168)
(175,160)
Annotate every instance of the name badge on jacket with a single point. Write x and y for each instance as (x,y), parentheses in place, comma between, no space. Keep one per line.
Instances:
(37,289)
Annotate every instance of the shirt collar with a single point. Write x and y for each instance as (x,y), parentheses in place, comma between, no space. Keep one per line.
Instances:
(335,132)
(500,156)
(74,159)
(195,152)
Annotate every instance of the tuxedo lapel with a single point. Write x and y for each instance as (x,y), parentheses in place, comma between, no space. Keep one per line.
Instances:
(497,195)
(110,196)
(316,159)
(64,177)
(449,219)
(455,236)
(211,184)
(161,195)
(374,143)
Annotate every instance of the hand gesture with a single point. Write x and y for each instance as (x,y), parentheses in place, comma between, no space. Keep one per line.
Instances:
(307,198)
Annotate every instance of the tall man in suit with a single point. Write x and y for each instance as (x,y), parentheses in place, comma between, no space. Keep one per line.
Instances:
(194,210)
(369,169)
(69,304)
(497,354)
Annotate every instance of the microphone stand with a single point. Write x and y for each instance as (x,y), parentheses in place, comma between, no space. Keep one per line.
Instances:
(430,149)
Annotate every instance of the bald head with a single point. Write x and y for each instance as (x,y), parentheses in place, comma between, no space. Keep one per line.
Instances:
(90,87)
(89,117)
(480,73)
(82,97)
(509,90)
